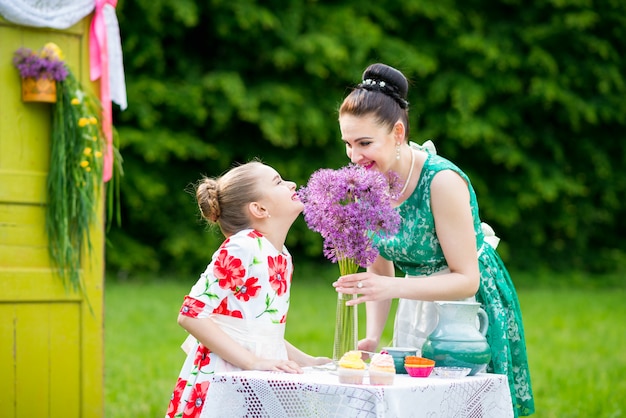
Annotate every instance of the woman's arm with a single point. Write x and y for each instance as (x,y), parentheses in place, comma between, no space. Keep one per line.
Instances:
(216,340)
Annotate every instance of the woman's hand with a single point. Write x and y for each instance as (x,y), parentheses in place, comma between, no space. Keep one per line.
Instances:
(320,361)
(368,344)
(370,287)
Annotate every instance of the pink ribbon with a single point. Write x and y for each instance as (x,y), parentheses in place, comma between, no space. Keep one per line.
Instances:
(99,68)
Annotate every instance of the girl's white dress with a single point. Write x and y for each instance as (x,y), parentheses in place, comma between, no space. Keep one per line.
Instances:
(245,290)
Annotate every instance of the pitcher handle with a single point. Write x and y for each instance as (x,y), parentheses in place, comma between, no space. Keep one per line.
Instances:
(483,320)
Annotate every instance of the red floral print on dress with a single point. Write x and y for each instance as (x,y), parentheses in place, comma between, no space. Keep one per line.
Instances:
(176,395)
(283,319)
(255,234)
(196,400)
(248,290)
(228,270)
(202,357)
(279,279)
(222,309)
(192,307)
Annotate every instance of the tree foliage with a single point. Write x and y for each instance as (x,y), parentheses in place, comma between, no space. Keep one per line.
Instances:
(526,97)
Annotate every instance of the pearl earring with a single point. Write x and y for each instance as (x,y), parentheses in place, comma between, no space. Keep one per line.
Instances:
(397,151)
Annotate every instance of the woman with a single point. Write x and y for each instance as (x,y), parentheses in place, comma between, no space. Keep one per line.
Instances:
(439,239)
(236,311)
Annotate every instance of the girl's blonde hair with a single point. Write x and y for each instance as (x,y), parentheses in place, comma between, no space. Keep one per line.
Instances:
(224,200)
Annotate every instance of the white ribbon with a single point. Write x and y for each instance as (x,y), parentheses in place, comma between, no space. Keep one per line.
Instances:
(490,235)
(427,146)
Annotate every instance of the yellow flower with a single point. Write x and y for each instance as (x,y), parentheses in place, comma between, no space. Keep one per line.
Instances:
(98,154)
(84,163)
(87,151)
(82,122)
(75,101)
(52,50)
(94,138)
(93,120)
(88,169)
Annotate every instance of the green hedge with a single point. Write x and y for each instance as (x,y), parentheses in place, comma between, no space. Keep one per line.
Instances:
(527,97)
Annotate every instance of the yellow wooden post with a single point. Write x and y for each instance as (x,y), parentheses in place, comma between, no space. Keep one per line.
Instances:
(51,341)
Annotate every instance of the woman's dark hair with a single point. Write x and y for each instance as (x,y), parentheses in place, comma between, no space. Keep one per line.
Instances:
(382,92)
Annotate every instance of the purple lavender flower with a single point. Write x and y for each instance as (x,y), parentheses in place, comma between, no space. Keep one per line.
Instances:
(32,64)
(347,207)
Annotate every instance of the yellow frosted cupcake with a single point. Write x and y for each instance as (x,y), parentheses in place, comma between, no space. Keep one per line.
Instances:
(351,368)
(382,369)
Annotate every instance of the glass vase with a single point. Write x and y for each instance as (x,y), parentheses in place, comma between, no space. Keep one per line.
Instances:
(346,326)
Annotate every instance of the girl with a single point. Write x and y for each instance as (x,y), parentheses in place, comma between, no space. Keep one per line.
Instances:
(236,311)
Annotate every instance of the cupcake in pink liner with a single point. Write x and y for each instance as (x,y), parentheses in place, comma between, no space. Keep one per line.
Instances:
(351,368)
(382,370)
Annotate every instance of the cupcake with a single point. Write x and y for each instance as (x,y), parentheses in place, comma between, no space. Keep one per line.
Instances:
(351,368)
(382,369)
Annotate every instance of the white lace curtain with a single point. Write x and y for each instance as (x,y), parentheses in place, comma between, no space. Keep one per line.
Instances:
(57,14)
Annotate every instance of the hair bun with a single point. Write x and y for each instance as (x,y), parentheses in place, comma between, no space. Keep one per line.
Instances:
(387,80)
(389,75)
(207,195)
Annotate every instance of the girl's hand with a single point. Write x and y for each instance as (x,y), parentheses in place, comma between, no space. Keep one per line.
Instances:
(287,366)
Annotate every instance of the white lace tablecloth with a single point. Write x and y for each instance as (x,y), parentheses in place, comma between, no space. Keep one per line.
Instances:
(318,393)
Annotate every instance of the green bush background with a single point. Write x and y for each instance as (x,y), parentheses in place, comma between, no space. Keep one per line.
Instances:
(527,97)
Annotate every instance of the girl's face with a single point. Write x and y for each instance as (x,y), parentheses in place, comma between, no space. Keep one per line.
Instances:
(279,196)
(369,143)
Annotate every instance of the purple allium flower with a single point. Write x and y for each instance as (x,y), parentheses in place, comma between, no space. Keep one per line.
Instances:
(347,207)
(32,64)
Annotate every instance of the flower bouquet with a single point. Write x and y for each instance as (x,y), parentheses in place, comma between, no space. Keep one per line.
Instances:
(348,207)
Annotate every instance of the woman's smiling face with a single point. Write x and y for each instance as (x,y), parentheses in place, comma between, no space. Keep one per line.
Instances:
(368,143)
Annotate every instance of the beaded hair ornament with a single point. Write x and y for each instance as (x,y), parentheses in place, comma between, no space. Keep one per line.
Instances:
(387,89)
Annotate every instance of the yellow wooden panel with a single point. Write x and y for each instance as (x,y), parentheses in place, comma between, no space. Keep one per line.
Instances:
(52,340)
(31,285)
(92,350)
(23,225)
(24,256)
(7,359)
(64,347)
(32,361)
(21,186)
(24,129)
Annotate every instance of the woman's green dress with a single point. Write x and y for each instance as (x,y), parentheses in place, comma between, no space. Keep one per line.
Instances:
(416,251)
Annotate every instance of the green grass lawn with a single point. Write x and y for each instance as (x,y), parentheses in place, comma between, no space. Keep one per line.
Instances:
(576,343)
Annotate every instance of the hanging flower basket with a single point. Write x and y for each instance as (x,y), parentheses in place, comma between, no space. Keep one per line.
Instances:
(39,90)
(40,71)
